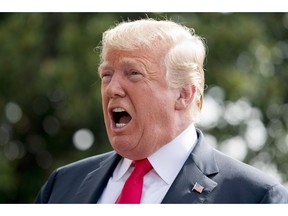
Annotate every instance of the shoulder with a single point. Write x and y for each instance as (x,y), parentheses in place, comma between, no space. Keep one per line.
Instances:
(64,182)
(249,183)
(237,181)
(241,171)
(238,169)
(87,164)
(227,166)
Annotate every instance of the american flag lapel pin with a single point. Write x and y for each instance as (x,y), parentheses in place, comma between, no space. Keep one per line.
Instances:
(197,187)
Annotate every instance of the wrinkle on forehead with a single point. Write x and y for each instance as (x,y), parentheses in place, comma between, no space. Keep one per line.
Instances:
(149,62)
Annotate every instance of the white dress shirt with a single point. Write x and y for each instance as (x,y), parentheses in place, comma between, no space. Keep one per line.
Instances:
(167,162)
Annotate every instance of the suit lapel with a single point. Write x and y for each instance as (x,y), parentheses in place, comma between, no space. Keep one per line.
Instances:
(199,165)
(93,185)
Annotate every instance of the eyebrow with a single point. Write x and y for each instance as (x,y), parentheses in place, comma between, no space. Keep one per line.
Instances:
(124,61)
(130,61)
(103,65)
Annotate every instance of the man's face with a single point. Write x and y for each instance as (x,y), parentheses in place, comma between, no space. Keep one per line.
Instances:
(138,104)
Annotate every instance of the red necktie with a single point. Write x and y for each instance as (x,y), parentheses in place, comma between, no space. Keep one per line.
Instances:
(132,190)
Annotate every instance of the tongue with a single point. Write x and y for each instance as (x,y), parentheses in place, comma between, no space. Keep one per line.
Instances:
(125,119)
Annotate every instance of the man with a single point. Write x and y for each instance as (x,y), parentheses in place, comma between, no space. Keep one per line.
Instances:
(152,87)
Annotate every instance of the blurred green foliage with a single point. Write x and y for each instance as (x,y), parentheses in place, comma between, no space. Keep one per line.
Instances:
(50,90)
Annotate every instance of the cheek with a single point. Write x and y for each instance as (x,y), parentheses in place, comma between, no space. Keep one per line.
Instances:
(157,112)
(105,109)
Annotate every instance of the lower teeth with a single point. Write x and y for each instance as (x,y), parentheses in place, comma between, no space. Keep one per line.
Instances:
(119,125)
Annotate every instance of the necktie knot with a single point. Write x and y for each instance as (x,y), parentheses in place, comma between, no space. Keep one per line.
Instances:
(142,167)
(132,190)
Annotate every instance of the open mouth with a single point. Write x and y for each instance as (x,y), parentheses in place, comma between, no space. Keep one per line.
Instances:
(120,117)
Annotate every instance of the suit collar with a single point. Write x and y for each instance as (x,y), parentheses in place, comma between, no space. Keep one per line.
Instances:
(93,185)
(203,156)
(197,168)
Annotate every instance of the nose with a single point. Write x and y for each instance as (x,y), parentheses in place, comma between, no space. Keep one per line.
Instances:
(115,87)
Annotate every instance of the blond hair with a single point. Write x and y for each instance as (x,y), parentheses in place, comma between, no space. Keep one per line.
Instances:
(183,61)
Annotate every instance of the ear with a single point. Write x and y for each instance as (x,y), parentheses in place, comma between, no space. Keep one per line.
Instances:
(185,97)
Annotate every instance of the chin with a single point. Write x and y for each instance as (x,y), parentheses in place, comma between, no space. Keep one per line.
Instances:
(127,149)
(121,145)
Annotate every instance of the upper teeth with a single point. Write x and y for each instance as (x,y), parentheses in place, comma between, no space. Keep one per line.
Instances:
(118,109)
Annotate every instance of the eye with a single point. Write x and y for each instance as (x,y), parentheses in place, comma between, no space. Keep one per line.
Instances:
(135,75)
(106,76)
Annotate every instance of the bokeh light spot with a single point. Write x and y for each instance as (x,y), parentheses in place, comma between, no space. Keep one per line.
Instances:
(4,136)
(13,112)
(51,125)
(83,139)
(256,134)
(235,147)
(14,150)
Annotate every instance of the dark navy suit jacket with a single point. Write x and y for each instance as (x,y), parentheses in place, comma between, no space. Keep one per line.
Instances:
(224,179)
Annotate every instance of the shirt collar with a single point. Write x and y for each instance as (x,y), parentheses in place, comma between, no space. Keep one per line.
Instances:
(121,168)
(169,159)
(172,155)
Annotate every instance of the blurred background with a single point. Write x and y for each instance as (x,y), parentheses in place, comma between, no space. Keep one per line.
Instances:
(50,104)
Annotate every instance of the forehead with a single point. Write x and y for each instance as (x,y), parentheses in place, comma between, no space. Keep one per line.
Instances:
(121,61)
(113,58)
